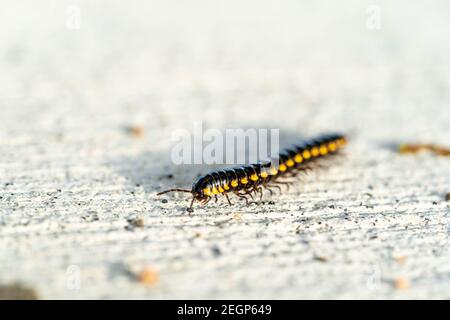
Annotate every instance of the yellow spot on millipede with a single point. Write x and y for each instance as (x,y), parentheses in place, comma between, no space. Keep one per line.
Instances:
(244,181)
(340,142)
(207,191)
(298,158)
(332,146)
(315,151)
(226,186)
(290,163)
(273,171)
(264,174)
(221,189)
(254,177)
(282,167)
(323,150)
(215,191)
(234,183)
(306,154)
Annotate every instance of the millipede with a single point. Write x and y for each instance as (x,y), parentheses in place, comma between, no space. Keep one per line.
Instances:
(248,180)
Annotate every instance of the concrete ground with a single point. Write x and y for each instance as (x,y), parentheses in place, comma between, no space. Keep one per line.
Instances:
(78,213)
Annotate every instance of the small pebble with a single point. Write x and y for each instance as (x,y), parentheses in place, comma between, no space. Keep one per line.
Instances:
(321,258)
(139,222)
(237,216)
(216,251)
(198,235)
(136,131)
(149,276)
(401,283)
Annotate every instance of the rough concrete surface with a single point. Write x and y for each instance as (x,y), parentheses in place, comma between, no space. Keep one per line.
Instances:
(73,178)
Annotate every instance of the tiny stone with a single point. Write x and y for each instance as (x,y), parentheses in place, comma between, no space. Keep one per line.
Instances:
(139,222)
(216,251)
(401,283)
(237,216)
(148,276)
(136,131)
(321,258)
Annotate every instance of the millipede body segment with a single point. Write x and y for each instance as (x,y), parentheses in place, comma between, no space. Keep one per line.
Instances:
(250,179)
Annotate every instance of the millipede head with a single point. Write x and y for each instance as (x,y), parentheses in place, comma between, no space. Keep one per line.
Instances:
(200,190)
(197,192)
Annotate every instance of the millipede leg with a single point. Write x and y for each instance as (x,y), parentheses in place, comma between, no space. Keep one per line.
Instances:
(297,175)
(285,183)
(243,197)
(260,191)
(307,169)
(265,186)
(275,186)
(190,209)
(228,198)
(249,193)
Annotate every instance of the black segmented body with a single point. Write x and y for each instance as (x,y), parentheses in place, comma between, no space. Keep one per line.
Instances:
(248,179)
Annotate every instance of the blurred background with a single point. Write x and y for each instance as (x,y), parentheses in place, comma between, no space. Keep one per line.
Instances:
(91,91)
